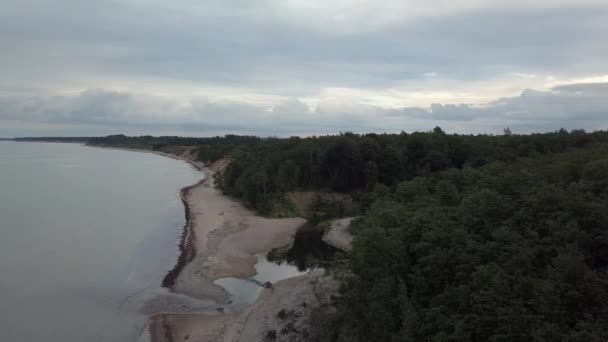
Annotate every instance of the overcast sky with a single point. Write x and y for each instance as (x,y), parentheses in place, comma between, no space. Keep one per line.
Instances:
(296,67)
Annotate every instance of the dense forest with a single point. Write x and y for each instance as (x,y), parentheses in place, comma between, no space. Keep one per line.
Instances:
(508,251)
(262,170)
(463,237)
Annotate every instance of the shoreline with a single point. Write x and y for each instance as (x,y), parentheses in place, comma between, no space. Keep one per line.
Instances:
(197,165)
(186,245)
(226,239)
(220,239)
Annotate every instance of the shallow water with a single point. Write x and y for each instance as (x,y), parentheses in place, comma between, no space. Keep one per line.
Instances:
(82,230)
(307,252)
(245,291)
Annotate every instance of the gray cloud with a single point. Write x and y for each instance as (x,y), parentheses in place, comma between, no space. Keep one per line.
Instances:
(572,106)
(253,44)
(280,50)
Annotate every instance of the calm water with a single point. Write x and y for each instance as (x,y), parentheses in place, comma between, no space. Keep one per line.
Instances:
(81,230)
(245,291)
(308,251)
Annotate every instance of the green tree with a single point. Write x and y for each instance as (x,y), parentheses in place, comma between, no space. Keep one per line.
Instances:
(409,191)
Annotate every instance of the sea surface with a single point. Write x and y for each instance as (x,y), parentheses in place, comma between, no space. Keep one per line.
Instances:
(82,230)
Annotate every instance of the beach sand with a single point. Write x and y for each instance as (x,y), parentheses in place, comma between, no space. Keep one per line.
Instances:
(224,238)
(221,239)
(294,297)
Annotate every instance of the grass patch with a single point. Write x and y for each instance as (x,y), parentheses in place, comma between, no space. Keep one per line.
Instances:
(283,208)
(324,226)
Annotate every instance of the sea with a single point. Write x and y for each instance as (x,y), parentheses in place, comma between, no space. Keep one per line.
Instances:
(84,230)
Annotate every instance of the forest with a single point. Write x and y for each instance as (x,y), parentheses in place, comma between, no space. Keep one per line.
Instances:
(507,251)
(462,237)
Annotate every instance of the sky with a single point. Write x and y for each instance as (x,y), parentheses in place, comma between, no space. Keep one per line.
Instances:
(295,67)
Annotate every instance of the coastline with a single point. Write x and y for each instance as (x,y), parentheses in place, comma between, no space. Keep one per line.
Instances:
(221,239)
(227,238)
(186,158)
(186,246)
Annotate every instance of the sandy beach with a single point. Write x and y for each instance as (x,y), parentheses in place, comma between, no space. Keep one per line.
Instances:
(221,239)
(225,237)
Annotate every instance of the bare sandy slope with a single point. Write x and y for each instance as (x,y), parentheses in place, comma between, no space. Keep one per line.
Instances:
(338,235)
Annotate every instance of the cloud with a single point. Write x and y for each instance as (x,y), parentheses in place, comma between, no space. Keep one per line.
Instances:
(570,106)
(291,106)
(295,48)
(317,65)
(574,105)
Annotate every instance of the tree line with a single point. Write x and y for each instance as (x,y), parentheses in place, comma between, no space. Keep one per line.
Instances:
(264,169)
(463,237)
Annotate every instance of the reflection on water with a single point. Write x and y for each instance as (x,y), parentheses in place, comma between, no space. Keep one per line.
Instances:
(246,291)
(273,272)
(307,252)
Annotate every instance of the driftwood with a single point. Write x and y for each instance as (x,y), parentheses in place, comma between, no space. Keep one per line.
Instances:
(267,284)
